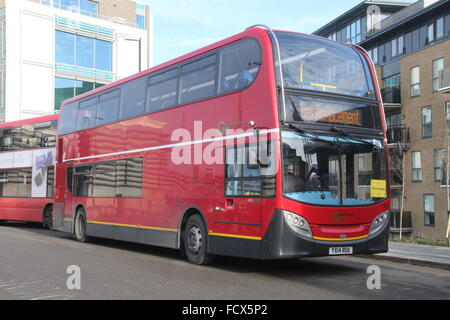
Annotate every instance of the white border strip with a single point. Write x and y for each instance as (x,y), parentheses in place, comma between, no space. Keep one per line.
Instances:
(180,144)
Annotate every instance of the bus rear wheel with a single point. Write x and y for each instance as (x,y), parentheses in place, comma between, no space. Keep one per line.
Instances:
(195,240)
(79,232)
(47,219)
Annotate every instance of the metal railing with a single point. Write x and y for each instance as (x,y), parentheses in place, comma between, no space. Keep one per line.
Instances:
(391,95)
(398,134)
(406,221)
(90,73)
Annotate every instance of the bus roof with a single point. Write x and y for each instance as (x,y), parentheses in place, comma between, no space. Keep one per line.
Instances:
(18,123)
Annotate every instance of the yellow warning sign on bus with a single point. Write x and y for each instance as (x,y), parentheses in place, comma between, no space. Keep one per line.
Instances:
(378,188)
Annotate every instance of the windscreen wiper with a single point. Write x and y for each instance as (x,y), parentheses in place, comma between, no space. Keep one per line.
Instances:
(314,136)
(342,134)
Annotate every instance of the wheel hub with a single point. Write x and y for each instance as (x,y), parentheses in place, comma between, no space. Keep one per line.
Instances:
(195,239)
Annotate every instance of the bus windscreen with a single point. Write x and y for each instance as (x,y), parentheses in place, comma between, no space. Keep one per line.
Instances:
(321,65)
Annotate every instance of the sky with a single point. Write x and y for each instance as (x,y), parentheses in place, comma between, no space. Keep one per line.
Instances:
(181,26)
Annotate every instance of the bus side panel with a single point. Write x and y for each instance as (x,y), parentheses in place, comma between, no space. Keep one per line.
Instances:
(8,209)
(32,209)
(23,209)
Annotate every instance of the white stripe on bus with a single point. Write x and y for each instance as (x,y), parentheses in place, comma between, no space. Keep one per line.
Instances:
(180,144)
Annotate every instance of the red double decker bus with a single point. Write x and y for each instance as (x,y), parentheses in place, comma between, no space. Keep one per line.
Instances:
(267,145)
(27,153)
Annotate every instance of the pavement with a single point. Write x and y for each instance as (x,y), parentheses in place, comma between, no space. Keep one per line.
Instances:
(416,254)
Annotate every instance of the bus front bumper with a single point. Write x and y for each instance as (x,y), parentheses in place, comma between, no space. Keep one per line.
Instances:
(281,242)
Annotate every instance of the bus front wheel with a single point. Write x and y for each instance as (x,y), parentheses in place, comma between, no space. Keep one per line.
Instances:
(195,241)
(79,231)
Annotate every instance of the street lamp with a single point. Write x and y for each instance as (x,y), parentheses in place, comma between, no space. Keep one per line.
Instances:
(139,40)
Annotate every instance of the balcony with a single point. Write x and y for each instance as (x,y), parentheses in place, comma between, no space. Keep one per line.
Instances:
(391,97)
(445,81)
(406,222)
(398,134)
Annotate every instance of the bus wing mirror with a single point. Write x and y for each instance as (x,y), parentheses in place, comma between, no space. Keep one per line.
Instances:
(258,156)
(263,154)
(252,160)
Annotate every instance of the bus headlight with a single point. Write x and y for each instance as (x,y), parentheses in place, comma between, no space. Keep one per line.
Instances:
(379,223)
(298,224)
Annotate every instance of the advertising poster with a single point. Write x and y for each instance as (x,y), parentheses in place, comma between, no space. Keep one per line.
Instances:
(42,159)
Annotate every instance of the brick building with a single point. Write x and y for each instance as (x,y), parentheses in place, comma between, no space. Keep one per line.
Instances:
(409,44)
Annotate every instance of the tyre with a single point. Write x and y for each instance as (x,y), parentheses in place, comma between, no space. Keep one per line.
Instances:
(79,230)
(195,240)
(47,219)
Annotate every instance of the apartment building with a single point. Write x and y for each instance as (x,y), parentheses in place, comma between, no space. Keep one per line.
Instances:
(409,44)
(51,50)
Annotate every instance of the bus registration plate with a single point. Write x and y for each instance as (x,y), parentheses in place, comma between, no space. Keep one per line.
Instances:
(340,250)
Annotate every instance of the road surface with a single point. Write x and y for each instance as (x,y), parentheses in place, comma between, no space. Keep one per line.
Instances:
(34,264)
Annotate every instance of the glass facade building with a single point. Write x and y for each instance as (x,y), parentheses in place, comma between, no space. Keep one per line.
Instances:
(66,48)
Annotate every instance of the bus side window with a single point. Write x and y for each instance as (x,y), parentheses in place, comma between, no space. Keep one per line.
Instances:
(162,92)
(87,114)
(108,107)
(198,79)
(239,65)
(68,118)
(133,98)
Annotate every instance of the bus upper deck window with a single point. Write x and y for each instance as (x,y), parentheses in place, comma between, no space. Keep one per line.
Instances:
(239,65)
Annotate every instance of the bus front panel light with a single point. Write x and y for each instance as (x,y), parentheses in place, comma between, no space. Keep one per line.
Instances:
(379,222)
(298,224)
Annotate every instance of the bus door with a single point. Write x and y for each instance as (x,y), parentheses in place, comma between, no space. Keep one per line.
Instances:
(63,194)
(242,205)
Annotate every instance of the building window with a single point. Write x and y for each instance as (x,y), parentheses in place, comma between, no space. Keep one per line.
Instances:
(140,16)
(69,88)
(447,110)
(353,32)
(86,7)
(430,31)
(427,123)
(440,28)
(140,21)
(401,45)
(83,51)
(428,206)
(415,82)
(391,92)
(438,67)
(416,166)
(392,82)
(439,164)
(375,55)
(394,47)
